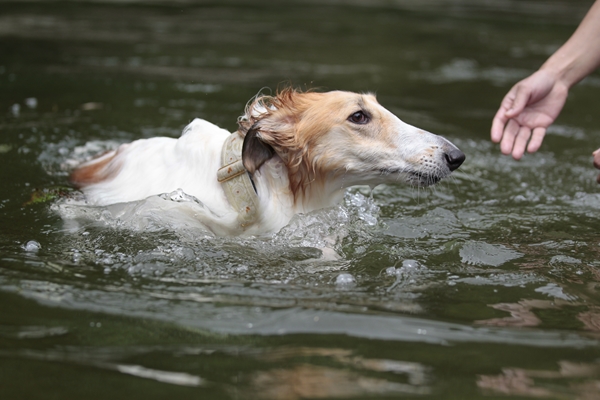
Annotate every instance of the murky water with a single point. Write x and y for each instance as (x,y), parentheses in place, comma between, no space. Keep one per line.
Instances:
(484,286)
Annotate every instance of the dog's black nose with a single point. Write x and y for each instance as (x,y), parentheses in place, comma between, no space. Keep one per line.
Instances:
(454,158)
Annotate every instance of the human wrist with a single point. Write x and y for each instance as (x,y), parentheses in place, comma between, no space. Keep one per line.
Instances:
(565,70)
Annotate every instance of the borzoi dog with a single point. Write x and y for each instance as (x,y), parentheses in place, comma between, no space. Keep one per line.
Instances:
(294,152)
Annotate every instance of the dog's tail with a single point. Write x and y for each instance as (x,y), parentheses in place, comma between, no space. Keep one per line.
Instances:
(101,168)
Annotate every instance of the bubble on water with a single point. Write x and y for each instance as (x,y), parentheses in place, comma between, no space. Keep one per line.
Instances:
(15,109)
(150,267)
(345,280)
(241,268)
(410,264)
(32,246)
(31,102)
(408,274)
(410,267)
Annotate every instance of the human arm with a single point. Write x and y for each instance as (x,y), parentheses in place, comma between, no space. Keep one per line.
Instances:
(535,102)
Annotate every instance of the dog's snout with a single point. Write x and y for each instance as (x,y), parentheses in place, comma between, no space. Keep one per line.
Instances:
(454,158)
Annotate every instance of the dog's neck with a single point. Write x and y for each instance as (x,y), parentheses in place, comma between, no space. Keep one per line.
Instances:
(267,193)
(273,186)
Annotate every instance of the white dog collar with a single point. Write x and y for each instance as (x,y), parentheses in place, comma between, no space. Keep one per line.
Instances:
(237,184)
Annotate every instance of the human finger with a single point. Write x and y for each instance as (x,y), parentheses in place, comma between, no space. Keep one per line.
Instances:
(498,124)
(597,158)
(596,155)
(536,139)
(508,138)
(522,96)
(521,142)
(500,119)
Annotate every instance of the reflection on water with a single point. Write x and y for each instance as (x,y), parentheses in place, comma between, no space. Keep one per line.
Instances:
(522,314)
(546,383)
(484,285)
(333,372)
(348,377)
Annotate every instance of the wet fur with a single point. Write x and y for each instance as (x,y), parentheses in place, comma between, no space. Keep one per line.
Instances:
(302,149)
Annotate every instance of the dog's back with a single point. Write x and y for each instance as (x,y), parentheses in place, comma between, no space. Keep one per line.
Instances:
(146,167)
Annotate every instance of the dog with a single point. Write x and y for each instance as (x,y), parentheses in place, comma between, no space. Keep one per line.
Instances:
(294,152)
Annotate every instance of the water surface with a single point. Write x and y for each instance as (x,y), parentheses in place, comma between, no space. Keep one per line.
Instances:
(482,287)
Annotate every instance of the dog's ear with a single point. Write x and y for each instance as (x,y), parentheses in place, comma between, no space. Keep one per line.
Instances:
(255,152)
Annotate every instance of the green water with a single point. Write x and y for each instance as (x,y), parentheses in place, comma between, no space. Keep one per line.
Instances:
(484,287)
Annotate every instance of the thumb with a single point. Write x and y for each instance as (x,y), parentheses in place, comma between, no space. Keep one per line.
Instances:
(522,97)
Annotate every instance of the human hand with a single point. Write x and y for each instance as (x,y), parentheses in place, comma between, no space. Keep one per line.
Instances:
(526,111)
(596,155)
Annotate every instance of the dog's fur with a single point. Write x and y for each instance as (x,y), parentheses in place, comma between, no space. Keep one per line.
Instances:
(302,150)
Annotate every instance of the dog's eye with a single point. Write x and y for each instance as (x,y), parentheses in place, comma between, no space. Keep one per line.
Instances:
(359,117)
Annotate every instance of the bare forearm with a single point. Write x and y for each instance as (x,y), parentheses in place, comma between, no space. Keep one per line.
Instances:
(580,55)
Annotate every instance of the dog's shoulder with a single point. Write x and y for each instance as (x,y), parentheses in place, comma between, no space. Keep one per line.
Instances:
(201,139)
(202,127)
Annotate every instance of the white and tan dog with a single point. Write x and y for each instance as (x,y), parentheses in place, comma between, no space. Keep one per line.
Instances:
(294,152)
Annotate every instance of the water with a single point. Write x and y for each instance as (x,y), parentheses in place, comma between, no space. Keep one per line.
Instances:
(482,287)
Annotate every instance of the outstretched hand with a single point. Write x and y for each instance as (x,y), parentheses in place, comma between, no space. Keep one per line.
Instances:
(596,155)
(526,111)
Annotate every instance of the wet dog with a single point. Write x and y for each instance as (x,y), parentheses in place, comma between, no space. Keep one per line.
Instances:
(294,152)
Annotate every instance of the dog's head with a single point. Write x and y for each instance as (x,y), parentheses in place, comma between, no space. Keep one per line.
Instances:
(341,137)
